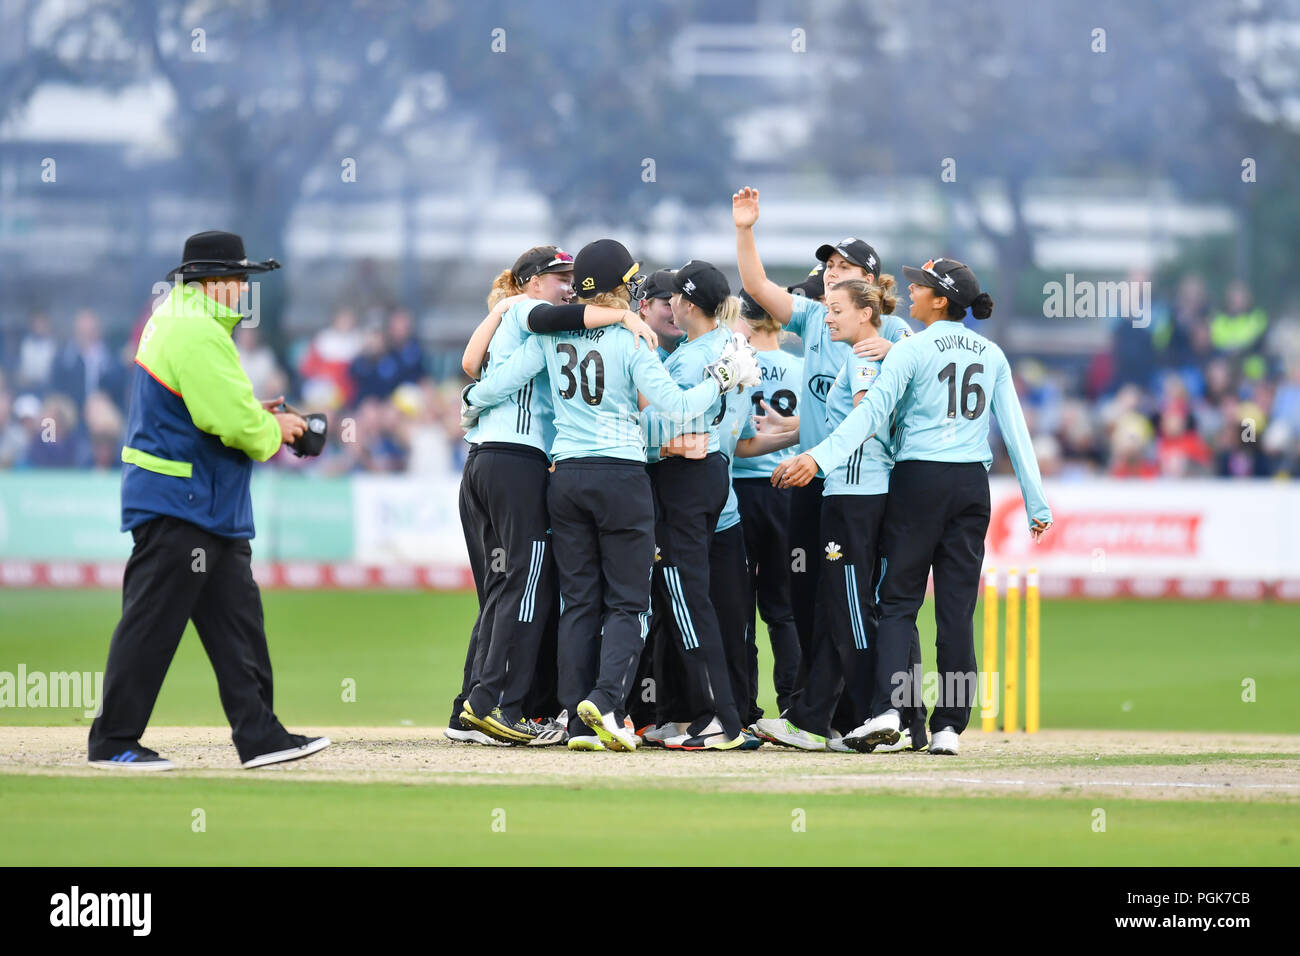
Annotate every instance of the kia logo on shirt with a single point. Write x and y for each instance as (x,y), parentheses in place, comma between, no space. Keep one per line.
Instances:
(820,385)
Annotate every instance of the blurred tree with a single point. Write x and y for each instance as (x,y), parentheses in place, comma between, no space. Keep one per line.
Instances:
(1018,90)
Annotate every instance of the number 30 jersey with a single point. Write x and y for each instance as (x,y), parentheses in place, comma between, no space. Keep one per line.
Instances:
(944,381)
(595,375)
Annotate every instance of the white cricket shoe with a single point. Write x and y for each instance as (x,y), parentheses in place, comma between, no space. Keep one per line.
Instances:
(836,743)
(462,736)
(657,736)
(904,742)
(945,742)
(591,742)
(876,731)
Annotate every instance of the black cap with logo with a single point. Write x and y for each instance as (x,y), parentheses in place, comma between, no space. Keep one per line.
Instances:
(855,250)
(537,261)
(949,278)
(602,266)
(812,287)
(703,284)
(659,285)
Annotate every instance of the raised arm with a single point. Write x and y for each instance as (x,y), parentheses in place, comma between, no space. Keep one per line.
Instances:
(774,300)
(509,376)
(1020,448)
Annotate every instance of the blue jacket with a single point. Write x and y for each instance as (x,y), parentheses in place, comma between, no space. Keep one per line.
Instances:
(193,426)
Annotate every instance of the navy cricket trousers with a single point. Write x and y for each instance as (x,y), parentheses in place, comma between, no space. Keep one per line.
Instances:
(602,522)
(937,517)
(507,534)
(690,495)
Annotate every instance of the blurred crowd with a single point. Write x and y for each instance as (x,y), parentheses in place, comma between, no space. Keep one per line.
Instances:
(1208,388)
(1203,390)
(63,396)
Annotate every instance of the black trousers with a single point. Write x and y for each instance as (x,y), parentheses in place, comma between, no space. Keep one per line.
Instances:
(765,518)
(507,534)
(667,667)
(602,519)
(178,572)
(937,517)
(689,496)
(844,640)
(728,588)
(805,564)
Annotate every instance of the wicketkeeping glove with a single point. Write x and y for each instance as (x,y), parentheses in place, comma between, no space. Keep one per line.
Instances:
(468,413)
(737,365)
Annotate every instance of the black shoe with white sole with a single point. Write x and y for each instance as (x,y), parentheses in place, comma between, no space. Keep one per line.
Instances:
(299,746)
(134,758)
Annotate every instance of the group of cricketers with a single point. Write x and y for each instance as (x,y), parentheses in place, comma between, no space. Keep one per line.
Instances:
(648,466)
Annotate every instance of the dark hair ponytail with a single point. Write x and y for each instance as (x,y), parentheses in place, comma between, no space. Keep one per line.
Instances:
(982,306)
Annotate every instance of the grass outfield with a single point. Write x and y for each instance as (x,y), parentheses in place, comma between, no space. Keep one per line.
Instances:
(1155,665)
(61,821)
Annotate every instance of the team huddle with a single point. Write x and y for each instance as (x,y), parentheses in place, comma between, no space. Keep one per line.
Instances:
(649,468)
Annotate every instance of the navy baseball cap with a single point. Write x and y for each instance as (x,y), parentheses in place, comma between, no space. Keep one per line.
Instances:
(750,309)
(703,284)
(855,250)
(602,266)
(948,277)
(813,287)
(659,285)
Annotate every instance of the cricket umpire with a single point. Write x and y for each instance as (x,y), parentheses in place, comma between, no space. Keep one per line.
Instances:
(194,429)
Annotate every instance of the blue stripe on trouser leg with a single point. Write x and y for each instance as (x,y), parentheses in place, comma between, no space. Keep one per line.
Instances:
(859,631)
(855,608)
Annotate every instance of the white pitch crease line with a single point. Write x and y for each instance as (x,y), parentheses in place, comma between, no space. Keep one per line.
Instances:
(884,778)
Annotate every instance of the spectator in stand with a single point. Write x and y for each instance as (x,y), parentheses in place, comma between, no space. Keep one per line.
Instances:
(104,429)
(13,438)
(1130,443)
(325,368)
(1286,401)
(1237,443)
(87,364)
(36,355)
(1180,450)
(59,441)
(1080,448)
(393,359)
(259,362)
(1184,340)
(1239,331)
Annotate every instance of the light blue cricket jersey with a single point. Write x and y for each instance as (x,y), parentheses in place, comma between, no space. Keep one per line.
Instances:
(867,470)
(822,361)
(686,367)
(737,423)
(594,376)
(944,381)
(526,417)
(782,380)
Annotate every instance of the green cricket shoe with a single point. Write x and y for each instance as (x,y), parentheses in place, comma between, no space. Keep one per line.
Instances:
(780,731)
(499,727)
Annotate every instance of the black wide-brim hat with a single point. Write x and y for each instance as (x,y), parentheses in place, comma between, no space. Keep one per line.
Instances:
(217,254)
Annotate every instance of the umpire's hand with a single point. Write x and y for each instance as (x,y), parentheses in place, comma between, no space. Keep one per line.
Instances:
(291,426)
